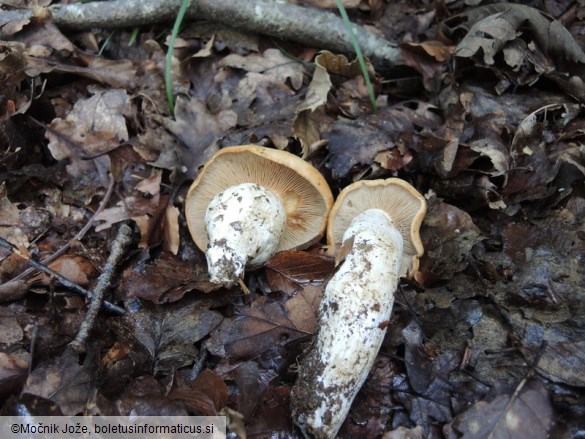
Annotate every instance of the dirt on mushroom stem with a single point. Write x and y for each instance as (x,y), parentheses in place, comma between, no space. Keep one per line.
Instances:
(357,302)
(244,225)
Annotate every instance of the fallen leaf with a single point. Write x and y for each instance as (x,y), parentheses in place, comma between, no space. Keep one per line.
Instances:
(10,331)
(167,279)
(357,142)
(13,373)
(528,414)
(257,329)
(428,58)
(145,396)
(168,332)
(448,234)
(206,395)
(198,130)
(562,362)
(64,382)
(272,63)
(310,114)
(95,126)
(503,21)
(292,271)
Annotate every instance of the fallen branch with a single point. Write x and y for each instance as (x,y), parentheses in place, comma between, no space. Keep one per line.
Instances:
(63,280)
(308,26)
(119,245)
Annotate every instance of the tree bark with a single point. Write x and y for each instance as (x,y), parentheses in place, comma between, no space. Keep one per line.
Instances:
(308,26)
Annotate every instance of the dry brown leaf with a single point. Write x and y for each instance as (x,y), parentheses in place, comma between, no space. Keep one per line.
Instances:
(10,224)
(10,331)
(428,58)
(145,396)
(172,238)
(74,268)
(562,362)
(13,290)
(528,414)
(257,329)
(167,332)
(206,396)
(405,433)
(167,279)
(12,62)
(272,64)
(13,373)
(310,114)
(502,22)
(11,22)
(95,126)
(151,184)
(63,381)
(448,234)
(292,271)
(357,142)
(199,131)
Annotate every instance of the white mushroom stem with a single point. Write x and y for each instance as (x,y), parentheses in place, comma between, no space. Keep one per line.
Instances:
(244,225)
(353,317)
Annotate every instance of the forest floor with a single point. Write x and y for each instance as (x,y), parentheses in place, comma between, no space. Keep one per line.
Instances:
(483,115)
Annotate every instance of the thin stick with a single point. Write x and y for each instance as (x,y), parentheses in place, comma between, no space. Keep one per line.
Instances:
(514,396)
(121,242)
(62,279)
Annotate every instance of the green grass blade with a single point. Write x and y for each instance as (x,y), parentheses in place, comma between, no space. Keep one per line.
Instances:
(169,59)
(358,52)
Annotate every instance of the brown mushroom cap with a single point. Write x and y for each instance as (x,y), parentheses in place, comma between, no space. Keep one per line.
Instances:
(398,199)
(303,191)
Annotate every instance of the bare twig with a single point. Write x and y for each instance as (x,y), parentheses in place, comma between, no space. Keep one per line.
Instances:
(63,280)
(308,26)
(520,386)
(121,242)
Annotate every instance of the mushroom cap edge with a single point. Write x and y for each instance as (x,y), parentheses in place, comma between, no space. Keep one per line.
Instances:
(306,223)
(382,194)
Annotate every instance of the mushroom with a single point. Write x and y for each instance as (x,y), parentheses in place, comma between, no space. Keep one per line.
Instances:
(378,223)
(250,202)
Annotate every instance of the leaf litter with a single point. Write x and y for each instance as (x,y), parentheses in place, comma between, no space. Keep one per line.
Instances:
(488,123)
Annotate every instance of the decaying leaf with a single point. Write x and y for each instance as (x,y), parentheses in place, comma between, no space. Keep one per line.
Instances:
(260,327)
(13,373)
(448,234)
(198,130)
(493,25)
(428,58)
(292,271)
(10,331)
(167,279)
(310,114)
(145,396)
(355,142)
(562,362)
(64,382)
(529,413)
(206,395)
(168,332)
(272,63)
(94,126)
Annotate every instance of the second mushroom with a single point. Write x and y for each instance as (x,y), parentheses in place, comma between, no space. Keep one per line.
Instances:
(378,224)
(250,202)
